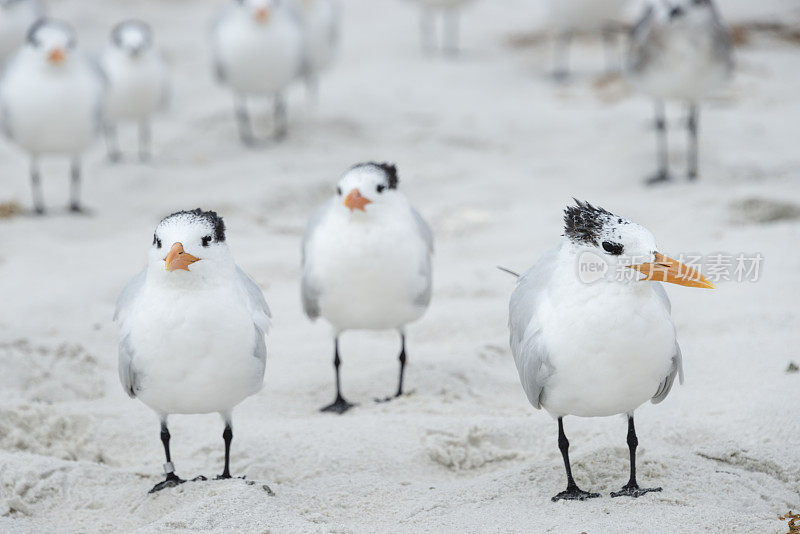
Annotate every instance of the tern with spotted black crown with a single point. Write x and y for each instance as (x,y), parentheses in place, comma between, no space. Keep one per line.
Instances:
(603,348)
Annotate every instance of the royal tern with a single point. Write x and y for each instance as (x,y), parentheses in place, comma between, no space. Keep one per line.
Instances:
(191,328)
(367,261)
(320,21)
(51,98)
(602,346)
(680,50)
(258,52)
(138,85)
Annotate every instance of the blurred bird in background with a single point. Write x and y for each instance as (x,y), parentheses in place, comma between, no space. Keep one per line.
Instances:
(367,261)
(137,84)
(320,20)
(51,97)
(16,18)
(680,50)
(258,52)
(598,347)
(450,12)
(569,17)
(191,328)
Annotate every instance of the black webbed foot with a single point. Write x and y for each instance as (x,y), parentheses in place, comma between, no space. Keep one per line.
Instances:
(632,490)
(338,406)
(574,494)
(171,481)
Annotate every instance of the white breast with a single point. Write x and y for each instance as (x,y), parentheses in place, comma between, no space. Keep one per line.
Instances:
(256,59)
(194,350)
(369,270)
(610,348)
(52,110)
(136,85)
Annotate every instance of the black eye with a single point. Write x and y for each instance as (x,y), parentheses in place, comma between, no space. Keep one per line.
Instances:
(615,249)
(156,241)
(380,188)
(339,191)
(206,240)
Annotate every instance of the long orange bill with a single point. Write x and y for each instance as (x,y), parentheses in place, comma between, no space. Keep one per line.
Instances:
(355,201)
(262,15)
(178,259)
(56,55)
(665,269)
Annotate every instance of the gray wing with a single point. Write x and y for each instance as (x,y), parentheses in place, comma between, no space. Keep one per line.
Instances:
(219,68)
(309,289)
(127,371)
(640,47)
(259,309)
(256,302)
(677,358)
(530,354)
(425,232)
(723,45)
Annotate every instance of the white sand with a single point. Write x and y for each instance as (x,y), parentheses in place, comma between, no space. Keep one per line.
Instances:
(490,151)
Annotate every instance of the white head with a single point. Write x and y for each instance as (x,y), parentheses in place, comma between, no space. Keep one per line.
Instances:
(52,41)
(684,12)
(189,250)
(132,37)
(261,11)
(621,242)
(366,186)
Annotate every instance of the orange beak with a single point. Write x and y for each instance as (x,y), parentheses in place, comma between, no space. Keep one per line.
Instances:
(56,56)
(665,269)
(262,14)
(355,201)
(178,259)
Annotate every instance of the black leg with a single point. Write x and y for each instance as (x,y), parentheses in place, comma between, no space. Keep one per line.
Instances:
(561,58)
(661,146)
(243,121)
(632,489)
(450,29)
(75,186)
(694,118)
(171,479)
(402,359)
(573,492)
(339,405)
(144,140)
(112,143)
(36,188)
(227,435)
(280,118)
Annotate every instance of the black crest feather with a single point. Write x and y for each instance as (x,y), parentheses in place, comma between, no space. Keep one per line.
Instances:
(584,222)
(389,169)
(211,217)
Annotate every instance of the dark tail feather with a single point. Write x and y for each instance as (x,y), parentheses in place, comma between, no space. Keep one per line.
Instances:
(509,271)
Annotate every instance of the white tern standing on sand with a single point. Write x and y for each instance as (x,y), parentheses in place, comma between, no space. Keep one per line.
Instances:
(258,52)
(450,11)
(598,347)
(16,17)
(320,21)
(51,98)
(680,50)
(367,261)
(570,16)
(138,84)
(191,328)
